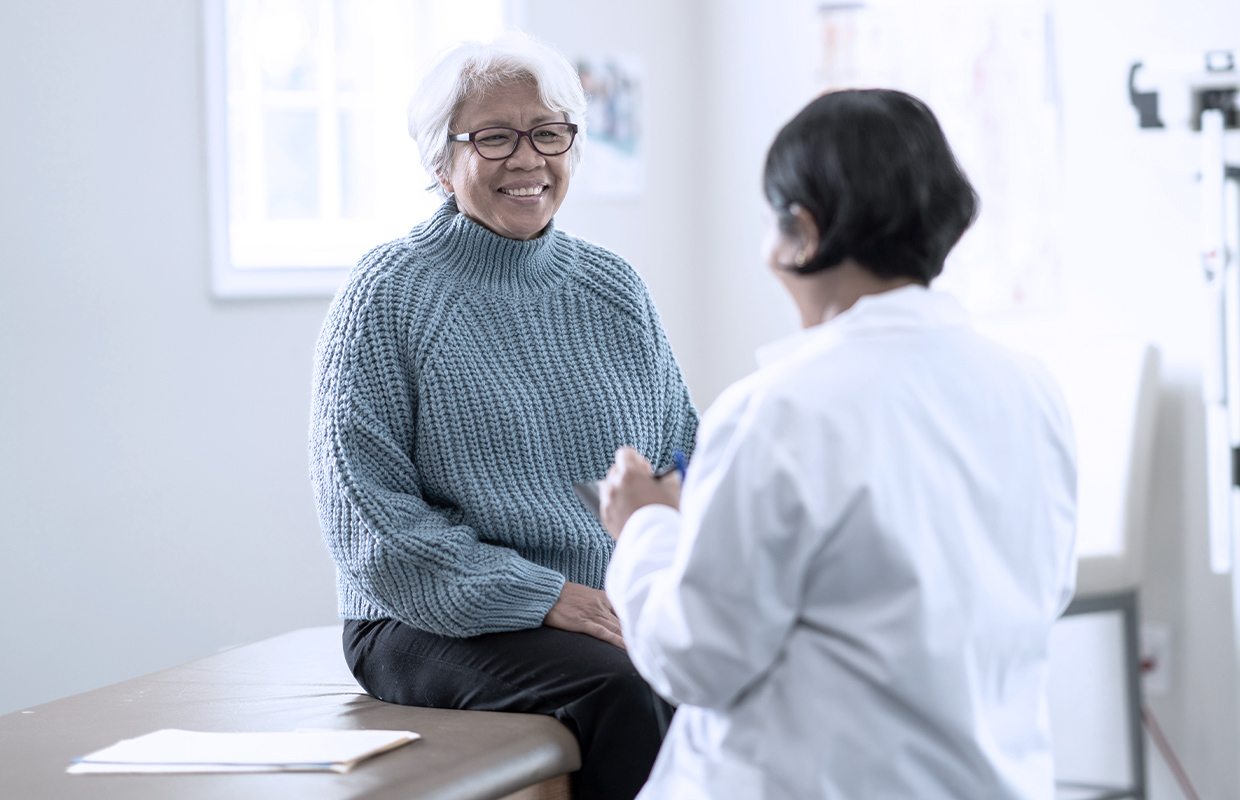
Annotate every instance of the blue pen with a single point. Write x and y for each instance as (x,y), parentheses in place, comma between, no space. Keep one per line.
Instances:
(587,491)
(678,464)
(682,465)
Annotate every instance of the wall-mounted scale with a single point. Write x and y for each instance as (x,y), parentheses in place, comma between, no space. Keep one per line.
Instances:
(1199,92)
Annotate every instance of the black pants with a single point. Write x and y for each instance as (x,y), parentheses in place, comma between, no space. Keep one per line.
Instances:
(585,683)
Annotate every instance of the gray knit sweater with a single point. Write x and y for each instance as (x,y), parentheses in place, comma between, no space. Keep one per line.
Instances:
(463,382)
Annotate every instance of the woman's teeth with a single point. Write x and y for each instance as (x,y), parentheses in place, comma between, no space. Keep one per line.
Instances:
(524,192)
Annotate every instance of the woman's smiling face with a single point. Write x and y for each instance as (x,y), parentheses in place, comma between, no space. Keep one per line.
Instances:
(516,196)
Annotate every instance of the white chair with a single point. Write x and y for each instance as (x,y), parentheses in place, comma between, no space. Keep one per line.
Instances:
(1112,391)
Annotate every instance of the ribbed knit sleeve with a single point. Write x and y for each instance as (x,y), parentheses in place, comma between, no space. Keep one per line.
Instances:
(681,419)
(463,382)
(616,285)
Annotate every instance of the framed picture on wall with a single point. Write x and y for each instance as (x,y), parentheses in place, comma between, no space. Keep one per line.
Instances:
(615,161)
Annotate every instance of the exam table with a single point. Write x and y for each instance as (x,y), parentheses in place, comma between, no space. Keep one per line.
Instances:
(297,680)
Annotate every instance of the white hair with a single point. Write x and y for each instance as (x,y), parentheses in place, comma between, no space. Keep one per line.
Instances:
(473,67)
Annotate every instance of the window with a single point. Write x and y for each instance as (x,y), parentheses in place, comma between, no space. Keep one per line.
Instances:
(310,163)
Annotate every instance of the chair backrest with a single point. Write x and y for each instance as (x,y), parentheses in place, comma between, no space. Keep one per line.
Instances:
(1117,462)
(1111,388)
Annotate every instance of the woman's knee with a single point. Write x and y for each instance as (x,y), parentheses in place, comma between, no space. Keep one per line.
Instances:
(619,701)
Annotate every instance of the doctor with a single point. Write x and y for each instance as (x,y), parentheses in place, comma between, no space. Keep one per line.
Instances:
(853,596)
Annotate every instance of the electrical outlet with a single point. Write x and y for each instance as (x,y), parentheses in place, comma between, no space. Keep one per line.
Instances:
(1155,658)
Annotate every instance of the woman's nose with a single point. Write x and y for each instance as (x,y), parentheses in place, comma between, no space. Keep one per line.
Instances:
(525,156)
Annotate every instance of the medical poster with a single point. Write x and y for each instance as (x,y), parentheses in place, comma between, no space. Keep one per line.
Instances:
(988,71)
(615,158)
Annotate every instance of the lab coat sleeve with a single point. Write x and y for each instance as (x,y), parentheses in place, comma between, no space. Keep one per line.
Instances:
(1062,437)
(707,597)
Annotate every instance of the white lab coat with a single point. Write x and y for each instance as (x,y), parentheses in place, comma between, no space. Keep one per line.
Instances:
(875,537)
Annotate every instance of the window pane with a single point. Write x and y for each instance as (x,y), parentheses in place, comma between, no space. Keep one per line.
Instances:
(357,188)
(286,36)
(240,41)
(355,46)
(240,164)
(291,144)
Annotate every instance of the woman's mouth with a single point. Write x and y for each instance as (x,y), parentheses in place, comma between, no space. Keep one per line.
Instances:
(529,191)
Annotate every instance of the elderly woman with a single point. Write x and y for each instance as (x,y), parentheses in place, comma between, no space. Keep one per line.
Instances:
(899,490)
(467,375)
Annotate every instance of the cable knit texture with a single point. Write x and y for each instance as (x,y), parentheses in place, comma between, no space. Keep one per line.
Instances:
(463,382)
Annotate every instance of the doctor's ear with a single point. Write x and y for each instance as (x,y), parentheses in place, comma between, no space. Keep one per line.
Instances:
(800,232)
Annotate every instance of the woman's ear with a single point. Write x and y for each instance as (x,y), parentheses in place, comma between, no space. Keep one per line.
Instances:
(444,182)
(804,234)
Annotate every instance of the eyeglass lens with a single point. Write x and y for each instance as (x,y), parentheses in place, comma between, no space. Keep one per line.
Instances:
(550,140)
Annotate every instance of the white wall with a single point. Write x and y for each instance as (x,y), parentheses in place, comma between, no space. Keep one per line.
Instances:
(154,498)
(662,231)
(761,60)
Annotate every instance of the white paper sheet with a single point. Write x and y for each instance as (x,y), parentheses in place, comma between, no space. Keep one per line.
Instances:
(174,750)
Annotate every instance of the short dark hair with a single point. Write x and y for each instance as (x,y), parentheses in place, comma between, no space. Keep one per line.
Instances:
(874,170)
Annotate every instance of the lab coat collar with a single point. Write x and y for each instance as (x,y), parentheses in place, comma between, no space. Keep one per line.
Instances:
(904,308)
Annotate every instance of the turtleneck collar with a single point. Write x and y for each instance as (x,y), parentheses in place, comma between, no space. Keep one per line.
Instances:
(455,243)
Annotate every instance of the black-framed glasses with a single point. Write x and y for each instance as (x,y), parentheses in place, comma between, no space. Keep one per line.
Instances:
(496,144)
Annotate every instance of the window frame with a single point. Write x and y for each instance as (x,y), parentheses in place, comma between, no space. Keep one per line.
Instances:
(227,279)
(290,279)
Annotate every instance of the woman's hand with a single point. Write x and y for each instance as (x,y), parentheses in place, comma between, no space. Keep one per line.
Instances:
(584,610)
(631,484)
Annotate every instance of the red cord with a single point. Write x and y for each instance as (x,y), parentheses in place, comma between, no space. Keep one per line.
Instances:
(1164,747)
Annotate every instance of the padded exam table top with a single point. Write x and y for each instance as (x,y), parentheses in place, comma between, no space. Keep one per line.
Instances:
(297,680)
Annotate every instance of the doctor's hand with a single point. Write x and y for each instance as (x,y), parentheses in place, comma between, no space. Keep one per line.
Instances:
(581,609)
(631,484)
